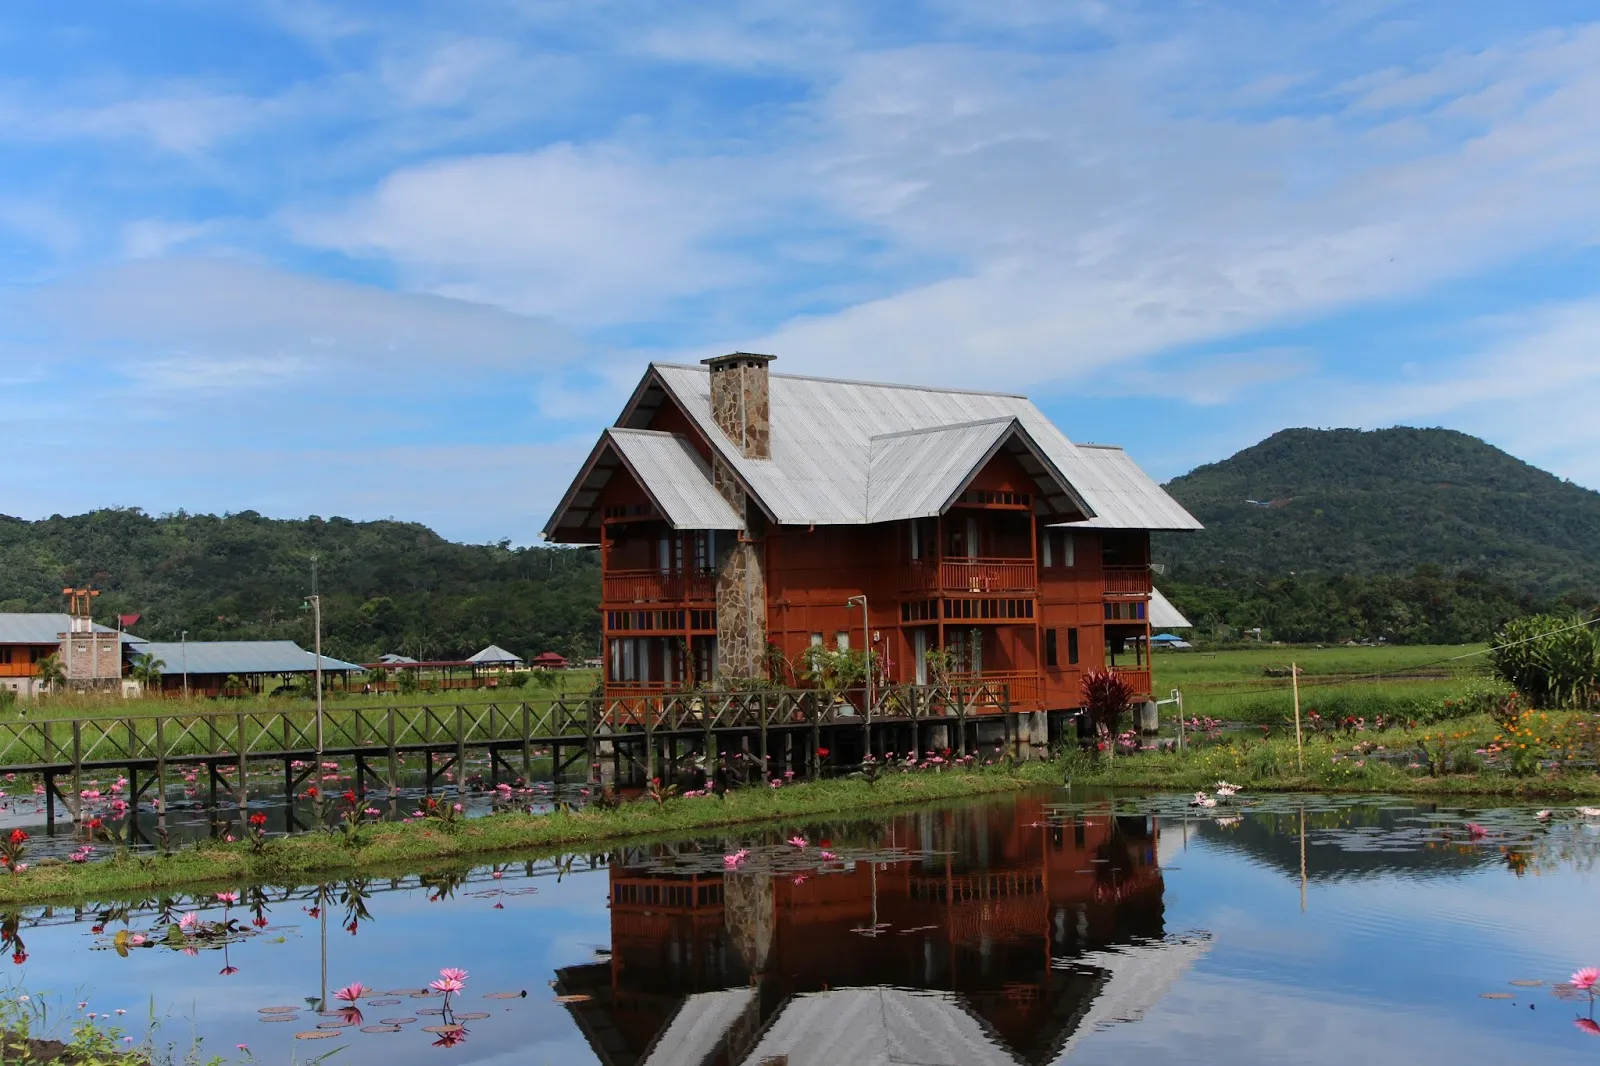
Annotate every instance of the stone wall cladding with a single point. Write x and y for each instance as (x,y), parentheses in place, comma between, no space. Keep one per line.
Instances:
(91,656)
(741,403)
(741,611)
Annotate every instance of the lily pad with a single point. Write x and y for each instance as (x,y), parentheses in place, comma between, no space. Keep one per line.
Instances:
(443,1028)
(1496,995)
(396,1021)
(472,1016)
(278,1010)
(382,1002)
(506,995)
(577,997)
(279,1018)
(316,1034)
(380,1029)
(1527,984)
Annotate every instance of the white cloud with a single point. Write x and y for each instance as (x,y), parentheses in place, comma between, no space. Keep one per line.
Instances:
(591,234)
(211,320)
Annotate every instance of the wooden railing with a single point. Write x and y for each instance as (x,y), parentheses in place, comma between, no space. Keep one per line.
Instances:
(970,575)
(1127,581)
(1023,688)
(18,669)
(1137,677)
(659,586)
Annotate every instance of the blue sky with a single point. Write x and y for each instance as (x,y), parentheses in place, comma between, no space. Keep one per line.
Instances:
(378,258)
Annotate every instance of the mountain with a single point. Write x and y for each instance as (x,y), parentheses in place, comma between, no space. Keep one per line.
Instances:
(1385,502)
(386,586)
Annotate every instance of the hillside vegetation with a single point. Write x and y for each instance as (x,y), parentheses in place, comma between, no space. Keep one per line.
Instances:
(1416,535)
(386,586)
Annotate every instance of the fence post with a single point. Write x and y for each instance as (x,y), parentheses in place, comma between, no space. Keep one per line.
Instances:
(527,745)
(762,706)
(161,771)
(816,736)
(393,783)
(461,749)
(74,802)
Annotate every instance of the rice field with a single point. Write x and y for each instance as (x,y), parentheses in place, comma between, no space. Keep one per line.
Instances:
(1253,685)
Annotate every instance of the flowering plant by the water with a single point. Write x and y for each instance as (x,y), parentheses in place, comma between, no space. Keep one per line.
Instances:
(12,849)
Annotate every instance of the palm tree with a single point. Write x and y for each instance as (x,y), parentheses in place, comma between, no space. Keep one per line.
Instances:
(52,672)
(146,670)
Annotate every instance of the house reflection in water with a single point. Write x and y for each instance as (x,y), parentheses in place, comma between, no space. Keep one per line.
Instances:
(1001,940)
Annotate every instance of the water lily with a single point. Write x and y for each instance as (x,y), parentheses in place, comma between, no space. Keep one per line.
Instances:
(451,974)
(1543,816)
(1585,979)
(799,842)
(733,860)
(1588,1025)
(228,898)
(1478,832)
(188,922)
(1589,812)
(351,993)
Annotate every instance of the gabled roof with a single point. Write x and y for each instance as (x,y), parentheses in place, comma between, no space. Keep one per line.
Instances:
(239,657)
(675,476)
(699,1027)
(44,628)
(918,473)
(879,1026)
(838,457)
(493,654)
(395,658)
(1140,975)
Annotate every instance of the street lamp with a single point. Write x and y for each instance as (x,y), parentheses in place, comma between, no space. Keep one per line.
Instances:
(866,646)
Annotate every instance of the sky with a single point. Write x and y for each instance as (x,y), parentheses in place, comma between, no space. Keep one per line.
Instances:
(385,258)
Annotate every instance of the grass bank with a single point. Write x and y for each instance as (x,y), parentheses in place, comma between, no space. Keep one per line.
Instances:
(411,845)
(1452,758)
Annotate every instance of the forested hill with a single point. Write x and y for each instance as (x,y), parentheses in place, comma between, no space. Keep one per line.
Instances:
(1381,527)
(386,586)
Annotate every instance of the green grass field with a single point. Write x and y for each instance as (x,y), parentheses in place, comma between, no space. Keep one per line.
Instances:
(1252,685)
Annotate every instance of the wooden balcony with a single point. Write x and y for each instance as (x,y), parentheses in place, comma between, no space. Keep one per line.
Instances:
(1127,581)
(18,669)
(1021,688)
(659,586)
(1138,677)
(970,575)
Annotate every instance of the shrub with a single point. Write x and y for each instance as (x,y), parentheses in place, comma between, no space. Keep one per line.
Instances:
(1553,660)
(1106,695)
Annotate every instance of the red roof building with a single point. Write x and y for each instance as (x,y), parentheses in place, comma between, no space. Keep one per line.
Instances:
(738,511)
(549,660)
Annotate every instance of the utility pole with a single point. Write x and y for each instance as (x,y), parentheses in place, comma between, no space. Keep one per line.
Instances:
(183,643)
(1299,751)
(314,603)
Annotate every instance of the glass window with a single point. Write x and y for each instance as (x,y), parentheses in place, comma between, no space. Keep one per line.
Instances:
(1050,648)
(1072,647)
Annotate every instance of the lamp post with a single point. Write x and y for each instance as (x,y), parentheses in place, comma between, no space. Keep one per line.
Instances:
(183,644)
(314,604)
(866,646)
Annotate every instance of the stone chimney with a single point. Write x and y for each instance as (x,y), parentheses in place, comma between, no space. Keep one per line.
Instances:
(740,401)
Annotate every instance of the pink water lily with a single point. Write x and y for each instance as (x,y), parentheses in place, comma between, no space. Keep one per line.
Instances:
(229,898)
(736,858)
(188,922)
(447,985)
(351,993)
(799,842)
(1584,980)
(450,974)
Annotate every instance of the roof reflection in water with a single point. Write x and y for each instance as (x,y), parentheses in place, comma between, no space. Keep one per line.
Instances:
(976,935)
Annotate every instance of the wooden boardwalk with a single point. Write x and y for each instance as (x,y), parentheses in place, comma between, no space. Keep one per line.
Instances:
(728,736)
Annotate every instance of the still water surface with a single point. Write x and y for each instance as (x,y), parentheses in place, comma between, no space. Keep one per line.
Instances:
(1038,929)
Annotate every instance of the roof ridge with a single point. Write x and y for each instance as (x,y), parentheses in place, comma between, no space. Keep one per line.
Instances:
(642,432)
(869,384)
(1102,447)
(947,426)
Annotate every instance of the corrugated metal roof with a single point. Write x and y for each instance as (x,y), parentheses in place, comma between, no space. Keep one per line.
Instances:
(1140,977)
(878,1026)
(698,1027)
(915,473)
(1163,615)
(677,477)
(821,432)
(44,628)
(494,653)
(240,657)
(1125,497)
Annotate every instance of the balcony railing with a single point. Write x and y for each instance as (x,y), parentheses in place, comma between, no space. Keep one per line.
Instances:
(970,575)
(1127,581)
(1138,678)
(1021,688)
(659,586)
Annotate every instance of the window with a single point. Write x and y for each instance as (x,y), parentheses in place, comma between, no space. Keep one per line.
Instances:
(1050,648)
(816,640)
(841,640)
(1072,647)
(1057,548)
(5,655)
(1125,611)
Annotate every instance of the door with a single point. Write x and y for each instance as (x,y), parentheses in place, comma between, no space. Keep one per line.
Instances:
(919,654)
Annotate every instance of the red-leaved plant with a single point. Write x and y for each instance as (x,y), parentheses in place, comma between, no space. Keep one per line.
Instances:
(1106,695)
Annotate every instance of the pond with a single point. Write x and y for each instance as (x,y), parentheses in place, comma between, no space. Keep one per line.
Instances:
(1043,928)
